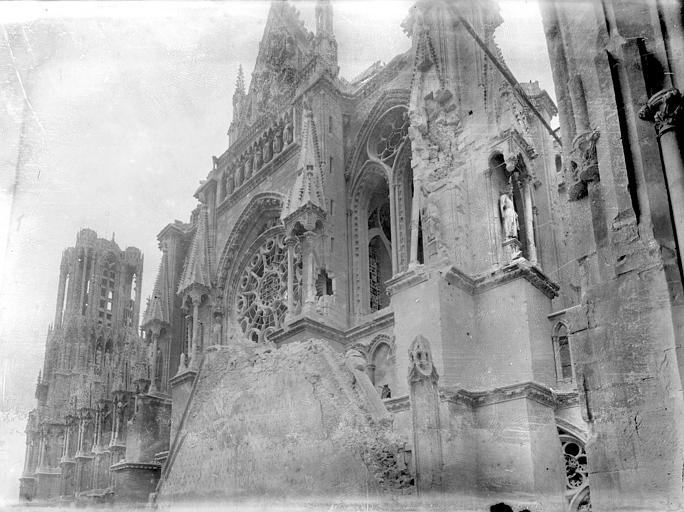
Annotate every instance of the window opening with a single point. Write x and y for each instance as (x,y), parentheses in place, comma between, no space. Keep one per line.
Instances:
(563,356)
(262,289)
(323,284)
(576,473)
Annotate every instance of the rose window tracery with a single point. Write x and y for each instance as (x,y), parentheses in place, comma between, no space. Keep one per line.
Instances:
(262,289)
(388,135)
(391,140)
(576,473)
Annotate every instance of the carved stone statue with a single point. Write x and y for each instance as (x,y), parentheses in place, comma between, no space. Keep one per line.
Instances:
(355,359)
(288,133)
(420,361)
(266,151)
(248,166)
(277,143)
(424,399)
(509,217)
(257,158)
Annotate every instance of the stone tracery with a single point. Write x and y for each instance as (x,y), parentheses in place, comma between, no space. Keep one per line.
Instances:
(261,301)
(576,472)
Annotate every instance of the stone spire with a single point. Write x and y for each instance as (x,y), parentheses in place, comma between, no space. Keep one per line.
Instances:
(158,306)
(306,201)
(197,271)
(240,82)
(324,18)
(239,94)
(325,43)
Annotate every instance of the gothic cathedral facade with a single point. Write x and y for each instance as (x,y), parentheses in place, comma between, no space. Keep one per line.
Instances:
(408,282)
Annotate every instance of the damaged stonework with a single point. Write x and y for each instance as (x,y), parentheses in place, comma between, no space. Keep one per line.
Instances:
(274,422)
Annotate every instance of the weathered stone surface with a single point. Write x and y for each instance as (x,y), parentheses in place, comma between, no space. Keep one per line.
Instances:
(285,422)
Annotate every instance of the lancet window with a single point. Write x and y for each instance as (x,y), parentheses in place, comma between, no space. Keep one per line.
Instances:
(387,234)
(107,284)
(561,348)
(87,270)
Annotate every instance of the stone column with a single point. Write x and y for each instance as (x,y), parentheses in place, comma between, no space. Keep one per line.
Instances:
(664,109)
(308,285)
(525,183)
(41,452)
(67,438)
(60,298)
(196,297)
(290,243)
(424,398)
(415,221)
(83,278)
(187,341)
(393,223)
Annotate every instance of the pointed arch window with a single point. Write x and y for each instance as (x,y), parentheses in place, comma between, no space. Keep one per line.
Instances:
(561,348)
(386,212)
(107,287)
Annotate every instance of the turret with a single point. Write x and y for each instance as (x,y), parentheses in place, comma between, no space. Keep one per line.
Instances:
(325,44)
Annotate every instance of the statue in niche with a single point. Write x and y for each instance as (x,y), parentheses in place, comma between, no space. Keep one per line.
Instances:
(248,166)
(288,133)
(509,217)
(257,158)
(266,151)
(277,143)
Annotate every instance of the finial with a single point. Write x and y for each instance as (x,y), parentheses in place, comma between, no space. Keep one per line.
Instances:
(240,82)
(112,236)
(324,17)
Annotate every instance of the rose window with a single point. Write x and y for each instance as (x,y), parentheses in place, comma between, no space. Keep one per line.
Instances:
(393,137)
(388,135)
(576,474)
(262,289)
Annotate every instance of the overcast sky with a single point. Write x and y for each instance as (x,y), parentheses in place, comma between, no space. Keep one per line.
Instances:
(110,114)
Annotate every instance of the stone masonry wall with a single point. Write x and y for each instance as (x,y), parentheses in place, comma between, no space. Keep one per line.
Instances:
(279,422)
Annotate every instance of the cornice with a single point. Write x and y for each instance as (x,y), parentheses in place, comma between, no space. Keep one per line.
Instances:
(377,323)
(123,465)
(398,404)
(530,390)
(407,279)
(518,269)
(305,323)
(565,400)
(180,378)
